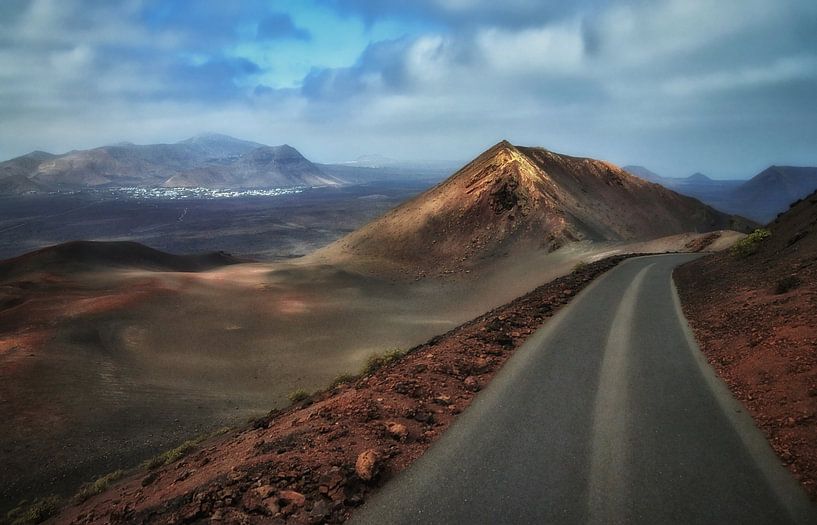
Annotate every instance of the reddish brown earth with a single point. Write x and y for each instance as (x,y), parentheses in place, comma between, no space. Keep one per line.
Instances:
(761,336)
(513,200)
(317,460)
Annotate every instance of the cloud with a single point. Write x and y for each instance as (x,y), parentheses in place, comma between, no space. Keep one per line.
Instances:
(781,71)
(634,82)
(466,13)
(722,86)
(215,79)
(382,65)
(280,26)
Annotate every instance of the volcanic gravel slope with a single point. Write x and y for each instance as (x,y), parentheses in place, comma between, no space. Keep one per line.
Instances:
(755,318)
(319,459)
(513,199)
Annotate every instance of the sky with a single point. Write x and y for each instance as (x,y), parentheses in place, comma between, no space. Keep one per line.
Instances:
(726,87)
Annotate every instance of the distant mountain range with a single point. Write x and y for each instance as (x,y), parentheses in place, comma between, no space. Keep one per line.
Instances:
(693,182)
(378,168)
(761,198)
(208,160)
(217,161)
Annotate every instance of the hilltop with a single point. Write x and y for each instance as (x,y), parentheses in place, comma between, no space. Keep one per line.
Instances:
(519,199)
(90,256)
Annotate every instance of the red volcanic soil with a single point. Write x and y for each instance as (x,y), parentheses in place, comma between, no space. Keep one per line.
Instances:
(319,459)
(755,318)
(39,288)
(31,309)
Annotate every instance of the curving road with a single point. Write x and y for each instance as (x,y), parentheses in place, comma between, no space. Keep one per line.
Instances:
(609,414)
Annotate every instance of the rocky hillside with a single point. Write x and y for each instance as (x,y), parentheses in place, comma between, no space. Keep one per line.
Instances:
(513,199)
(753,312)
(210,161)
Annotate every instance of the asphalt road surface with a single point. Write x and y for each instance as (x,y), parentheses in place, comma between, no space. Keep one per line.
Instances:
(609,414)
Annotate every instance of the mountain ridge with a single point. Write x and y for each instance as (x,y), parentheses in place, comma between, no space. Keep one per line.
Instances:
(761,197)
(206,160)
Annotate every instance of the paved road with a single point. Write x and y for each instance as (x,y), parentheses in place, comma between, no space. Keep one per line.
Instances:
(607,415)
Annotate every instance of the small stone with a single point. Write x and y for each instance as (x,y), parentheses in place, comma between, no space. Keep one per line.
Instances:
(184,475)
(442,399)
(320,511)
(236,475)
(271,506)
(504,341)
(471,383)
(264,491)
(397,430)
(424,416)
(290,497)
(403,388)
(366,464)
(480,365)
(150,478)
(332,479)
(337,494)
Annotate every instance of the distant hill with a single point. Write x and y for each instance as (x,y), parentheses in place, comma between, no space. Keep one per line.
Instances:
(760,198)
(265,166)
(772,191)
(18,184)
(379,168)
(209,160)
(643,173)
(691,183)
(83,256)
(699,178)
(24,165)
(516,198)
(218,146)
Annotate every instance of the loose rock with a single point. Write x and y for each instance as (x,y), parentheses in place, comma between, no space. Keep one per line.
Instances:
(366,464)
(397,430)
